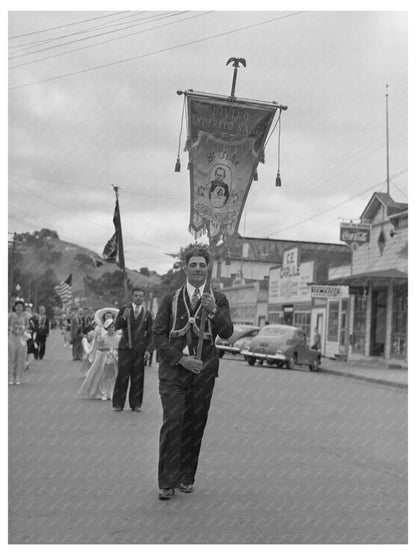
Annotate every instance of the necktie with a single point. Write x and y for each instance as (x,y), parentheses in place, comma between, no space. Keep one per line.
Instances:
(195,298)
(136,311)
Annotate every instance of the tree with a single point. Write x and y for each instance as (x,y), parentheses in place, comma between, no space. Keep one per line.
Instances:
(110,287)
(144,272)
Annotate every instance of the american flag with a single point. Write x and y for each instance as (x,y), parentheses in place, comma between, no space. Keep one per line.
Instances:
(64,289)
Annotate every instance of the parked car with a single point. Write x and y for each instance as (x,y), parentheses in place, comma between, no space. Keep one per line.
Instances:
(283,346)
(233,344)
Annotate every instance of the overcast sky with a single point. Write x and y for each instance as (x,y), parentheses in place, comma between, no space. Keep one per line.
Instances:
(102,109)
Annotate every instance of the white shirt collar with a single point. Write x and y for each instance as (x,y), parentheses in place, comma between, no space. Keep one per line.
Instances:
(190,288)
(137,306)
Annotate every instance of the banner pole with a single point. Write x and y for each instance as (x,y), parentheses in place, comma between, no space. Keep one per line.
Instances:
(204,313)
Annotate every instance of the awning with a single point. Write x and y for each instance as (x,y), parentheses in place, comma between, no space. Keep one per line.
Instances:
(366,277)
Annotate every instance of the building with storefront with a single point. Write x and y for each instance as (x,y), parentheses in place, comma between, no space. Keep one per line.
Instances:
(294,300)
(246,267)
(375,310)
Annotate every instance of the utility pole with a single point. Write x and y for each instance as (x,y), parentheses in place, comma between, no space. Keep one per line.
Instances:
(387,140)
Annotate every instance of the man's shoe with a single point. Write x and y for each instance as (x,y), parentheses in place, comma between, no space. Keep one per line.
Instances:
(117,409)
(136,409)
(186,488)
(166,493)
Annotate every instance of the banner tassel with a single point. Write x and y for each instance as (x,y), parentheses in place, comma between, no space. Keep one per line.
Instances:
(178,165)
(255,175)
(278,180)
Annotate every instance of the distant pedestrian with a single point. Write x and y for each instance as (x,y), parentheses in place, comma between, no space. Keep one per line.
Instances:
(186,383)
(132,358)
(32,345)
(77,333)
(42,327)
(316,343)
(66,330)
(17,348)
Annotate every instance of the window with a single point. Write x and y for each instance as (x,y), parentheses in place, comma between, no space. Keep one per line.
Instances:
(302,320)
(333,315)
(399,324)
(358,336)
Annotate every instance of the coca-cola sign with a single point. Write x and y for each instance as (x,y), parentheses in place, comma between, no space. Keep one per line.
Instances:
(354,234)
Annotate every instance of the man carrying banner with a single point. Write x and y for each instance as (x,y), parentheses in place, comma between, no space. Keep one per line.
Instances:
(186,383)
(134,348)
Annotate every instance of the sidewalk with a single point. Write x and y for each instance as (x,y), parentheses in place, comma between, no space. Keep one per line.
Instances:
(381,372)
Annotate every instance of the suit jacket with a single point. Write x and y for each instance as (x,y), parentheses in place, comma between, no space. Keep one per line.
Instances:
(170,351)
(44,330)
(141,330)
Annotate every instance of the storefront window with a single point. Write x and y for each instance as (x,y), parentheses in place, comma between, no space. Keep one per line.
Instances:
(399,324)
(302,320)
(333,316)
(358,337)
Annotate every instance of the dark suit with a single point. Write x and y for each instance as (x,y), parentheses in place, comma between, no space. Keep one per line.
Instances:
(131,361)
(42,332)
(77,333)
(185,396)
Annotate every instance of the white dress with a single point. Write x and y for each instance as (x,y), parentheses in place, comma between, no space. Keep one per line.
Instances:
(100,378)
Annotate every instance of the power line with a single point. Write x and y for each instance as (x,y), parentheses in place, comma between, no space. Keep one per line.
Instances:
(197,41)
(334,206)
(66,25)
(23,46)
(107,41)
(91,187)
(89,38)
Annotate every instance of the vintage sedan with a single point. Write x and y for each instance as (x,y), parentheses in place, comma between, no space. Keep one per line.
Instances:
(233,344)
(284,346)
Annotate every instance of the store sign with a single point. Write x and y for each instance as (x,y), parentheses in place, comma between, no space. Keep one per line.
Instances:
(325,291)
(284,288)
(291,260)
(355,233)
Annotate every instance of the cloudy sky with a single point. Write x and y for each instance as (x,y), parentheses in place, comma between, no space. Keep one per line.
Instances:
(92,102)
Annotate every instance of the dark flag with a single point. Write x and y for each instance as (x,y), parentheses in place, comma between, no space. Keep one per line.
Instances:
(64,290)
(113,250)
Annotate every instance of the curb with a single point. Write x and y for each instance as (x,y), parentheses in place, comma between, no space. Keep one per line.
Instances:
(364,378)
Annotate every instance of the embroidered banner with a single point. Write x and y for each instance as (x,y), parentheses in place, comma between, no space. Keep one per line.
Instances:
(225,142)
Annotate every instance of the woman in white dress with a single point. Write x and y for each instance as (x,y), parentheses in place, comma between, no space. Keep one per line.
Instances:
(17,347)
(89,351)
(100,379)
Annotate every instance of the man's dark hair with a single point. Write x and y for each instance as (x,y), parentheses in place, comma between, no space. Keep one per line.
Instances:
(197,251)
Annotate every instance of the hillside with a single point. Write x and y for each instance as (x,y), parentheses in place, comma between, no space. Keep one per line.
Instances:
(35,258)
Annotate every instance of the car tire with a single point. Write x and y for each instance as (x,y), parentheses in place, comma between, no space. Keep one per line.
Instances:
(251,361)
(290,364)
(220,353)
(315,366)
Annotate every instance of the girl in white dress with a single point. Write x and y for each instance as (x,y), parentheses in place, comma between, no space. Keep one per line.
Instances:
(100,379)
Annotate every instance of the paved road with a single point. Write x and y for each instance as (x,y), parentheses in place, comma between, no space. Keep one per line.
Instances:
(289,457)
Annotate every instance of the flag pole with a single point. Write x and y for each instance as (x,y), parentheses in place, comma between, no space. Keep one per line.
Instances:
(121,259)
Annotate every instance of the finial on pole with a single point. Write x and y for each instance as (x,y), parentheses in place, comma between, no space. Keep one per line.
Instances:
(236,64)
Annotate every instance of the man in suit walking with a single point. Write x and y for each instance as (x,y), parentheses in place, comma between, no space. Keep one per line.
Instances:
(77,333)
(42,331)
(131,359)
(186,384)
